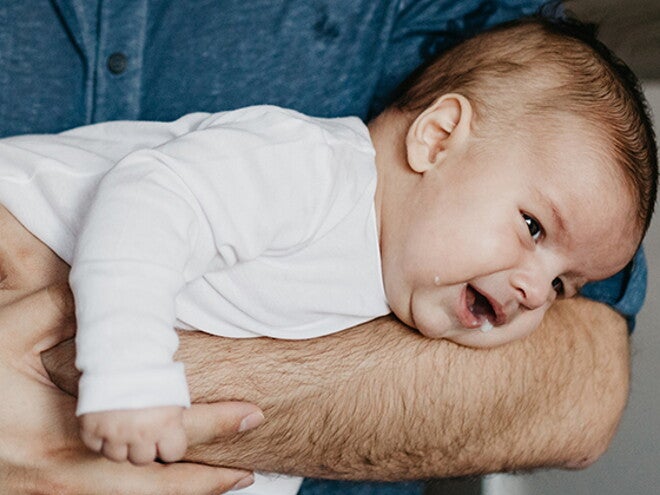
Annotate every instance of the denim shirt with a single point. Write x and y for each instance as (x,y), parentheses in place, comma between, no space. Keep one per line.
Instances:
(65,63)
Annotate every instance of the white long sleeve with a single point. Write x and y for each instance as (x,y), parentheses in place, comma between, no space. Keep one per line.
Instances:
(242,187)
(128,268)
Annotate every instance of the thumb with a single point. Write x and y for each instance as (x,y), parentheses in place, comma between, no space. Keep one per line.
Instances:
(37,320)
(207,423)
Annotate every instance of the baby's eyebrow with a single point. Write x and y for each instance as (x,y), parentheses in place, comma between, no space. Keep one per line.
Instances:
(558,218)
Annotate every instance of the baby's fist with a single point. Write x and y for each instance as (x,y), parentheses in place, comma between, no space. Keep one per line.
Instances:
(139,435)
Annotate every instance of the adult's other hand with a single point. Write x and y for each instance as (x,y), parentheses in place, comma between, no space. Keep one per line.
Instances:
(40,450)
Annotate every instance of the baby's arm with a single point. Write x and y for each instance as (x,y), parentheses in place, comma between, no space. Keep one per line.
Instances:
(128,268)
(163,217)
(146,234)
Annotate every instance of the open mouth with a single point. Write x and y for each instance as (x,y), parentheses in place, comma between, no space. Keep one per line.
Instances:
(479,306)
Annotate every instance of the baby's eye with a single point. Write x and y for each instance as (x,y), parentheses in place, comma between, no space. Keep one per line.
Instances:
(558,286)
(534,227)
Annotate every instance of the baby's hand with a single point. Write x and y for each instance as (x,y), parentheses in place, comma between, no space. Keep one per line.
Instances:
(139,435)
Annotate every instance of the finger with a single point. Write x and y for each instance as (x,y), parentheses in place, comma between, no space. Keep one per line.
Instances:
(173,445)
(205,423)
(114,451)
(141,453)
(38,320)
(93,442)
(105,478)
(200,479)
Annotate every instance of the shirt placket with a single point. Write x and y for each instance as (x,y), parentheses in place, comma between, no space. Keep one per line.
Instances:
(121,37)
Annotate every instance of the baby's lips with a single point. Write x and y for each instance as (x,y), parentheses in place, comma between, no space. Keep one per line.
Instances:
(464,310)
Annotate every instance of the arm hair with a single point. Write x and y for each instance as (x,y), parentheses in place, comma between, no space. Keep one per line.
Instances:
(381,402)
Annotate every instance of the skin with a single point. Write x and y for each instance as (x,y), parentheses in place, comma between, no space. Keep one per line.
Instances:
(552,399)
(519,220)
(138,436)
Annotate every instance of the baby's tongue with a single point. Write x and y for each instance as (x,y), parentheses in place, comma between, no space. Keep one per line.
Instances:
(478,304)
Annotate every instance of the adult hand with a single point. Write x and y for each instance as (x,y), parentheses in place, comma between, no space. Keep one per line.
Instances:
(40,450)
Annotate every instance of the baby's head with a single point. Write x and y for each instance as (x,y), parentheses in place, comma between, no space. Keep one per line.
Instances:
(530,170)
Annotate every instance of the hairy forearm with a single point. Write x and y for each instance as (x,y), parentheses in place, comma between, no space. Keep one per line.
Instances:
(381,402)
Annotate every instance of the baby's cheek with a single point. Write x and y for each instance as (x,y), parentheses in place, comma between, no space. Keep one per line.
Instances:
(533,320)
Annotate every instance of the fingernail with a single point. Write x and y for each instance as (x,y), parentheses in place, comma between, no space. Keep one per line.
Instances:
(245,482)
(251,421)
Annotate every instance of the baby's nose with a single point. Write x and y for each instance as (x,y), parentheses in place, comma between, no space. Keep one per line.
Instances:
(534,287)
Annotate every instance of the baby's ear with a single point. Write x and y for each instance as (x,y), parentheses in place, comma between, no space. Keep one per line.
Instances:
(443,126)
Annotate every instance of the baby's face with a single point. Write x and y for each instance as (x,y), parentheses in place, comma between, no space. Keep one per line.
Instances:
(492,237)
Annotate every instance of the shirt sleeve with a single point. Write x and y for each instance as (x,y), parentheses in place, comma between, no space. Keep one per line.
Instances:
(624,292)
(162,217)
(128,267)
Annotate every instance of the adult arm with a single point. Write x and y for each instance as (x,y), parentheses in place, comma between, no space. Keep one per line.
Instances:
(393,405)
(381,402)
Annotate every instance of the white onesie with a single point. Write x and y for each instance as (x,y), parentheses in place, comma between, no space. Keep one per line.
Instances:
(256,222)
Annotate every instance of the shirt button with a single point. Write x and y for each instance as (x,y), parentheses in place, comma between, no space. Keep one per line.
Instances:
(117,63)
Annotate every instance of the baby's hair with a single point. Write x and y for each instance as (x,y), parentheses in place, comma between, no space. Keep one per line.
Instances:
(539,68)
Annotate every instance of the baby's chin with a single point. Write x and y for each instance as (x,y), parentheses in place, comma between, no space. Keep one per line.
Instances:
(435,333)
(476,338)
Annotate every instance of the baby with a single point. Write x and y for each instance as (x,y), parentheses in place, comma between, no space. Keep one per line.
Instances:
(508,173)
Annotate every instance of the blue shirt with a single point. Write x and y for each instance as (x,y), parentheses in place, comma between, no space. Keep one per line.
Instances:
(65,63)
